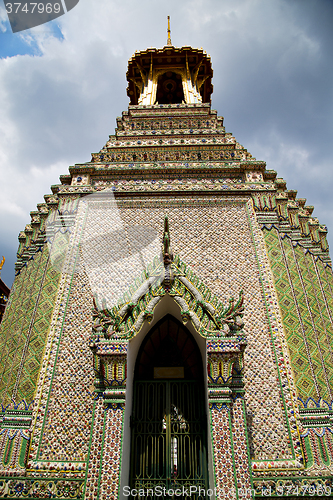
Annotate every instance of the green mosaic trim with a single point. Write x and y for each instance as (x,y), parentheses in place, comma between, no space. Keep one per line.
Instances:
(39,329)
(247,442)
(281,256)
(23,453)
(327,276)
(323,451)
(14,315)
(318,444)
(185,201)
(33,323)
(314,361)
(316,314)
(119,496)
(264,202)
(8,451)
(229,154)
(211,428)
(95,409)
(101,458)
(307,449)
(325,313)
(13,351)
(175,185)
(183,166)
(326,281)
(233,454)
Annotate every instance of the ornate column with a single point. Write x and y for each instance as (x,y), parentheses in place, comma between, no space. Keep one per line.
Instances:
(110,362)
(227,417)
(114,410)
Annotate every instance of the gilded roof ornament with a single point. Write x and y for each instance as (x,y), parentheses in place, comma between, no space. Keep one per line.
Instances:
(169,75)
(169,32)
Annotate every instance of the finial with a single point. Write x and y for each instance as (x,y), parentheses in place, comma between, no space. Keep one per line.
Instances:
(167,257)
(169,32)
(167,252)
(2,263)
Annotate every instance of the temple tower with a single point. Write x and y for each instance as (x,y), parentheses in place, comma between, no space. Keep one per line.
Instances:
(170,324)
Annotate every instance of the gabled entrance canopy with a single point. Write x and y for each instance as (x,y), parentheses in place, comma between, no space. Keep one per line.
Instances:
(171,276)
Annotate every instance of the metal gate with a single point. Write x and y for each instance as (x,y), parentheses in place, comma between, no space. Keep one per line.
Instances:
(168,448)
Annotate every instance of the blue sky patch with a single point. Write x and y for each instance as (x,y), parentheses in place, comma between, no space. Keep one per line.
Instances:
(23,43)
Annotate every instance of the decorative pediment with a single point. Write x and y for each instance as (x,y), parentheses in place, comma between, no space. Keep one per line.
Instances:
(169,275)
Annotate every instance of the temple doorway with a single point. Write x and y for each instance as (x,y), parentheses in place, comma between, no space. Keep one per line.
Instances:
(168,422)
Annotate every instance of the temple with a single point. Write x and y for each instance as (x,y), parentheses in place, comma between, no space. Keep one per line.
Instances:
(169,330)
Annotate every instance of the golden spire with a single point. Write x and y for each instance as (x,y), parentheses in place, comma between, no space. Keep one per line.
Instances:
(169,32)
(2,263)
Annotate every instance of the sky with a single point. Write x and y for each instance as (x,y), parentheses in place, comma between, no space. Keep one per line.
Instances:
(63,84)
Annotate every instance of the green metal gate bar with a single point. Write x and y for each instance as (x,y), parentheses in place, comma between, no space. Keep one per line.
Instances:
(168,447)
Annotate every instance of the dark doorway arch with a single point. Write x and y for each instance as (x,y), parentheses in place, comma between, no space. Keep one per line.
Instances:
(168,422)
(170,88)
